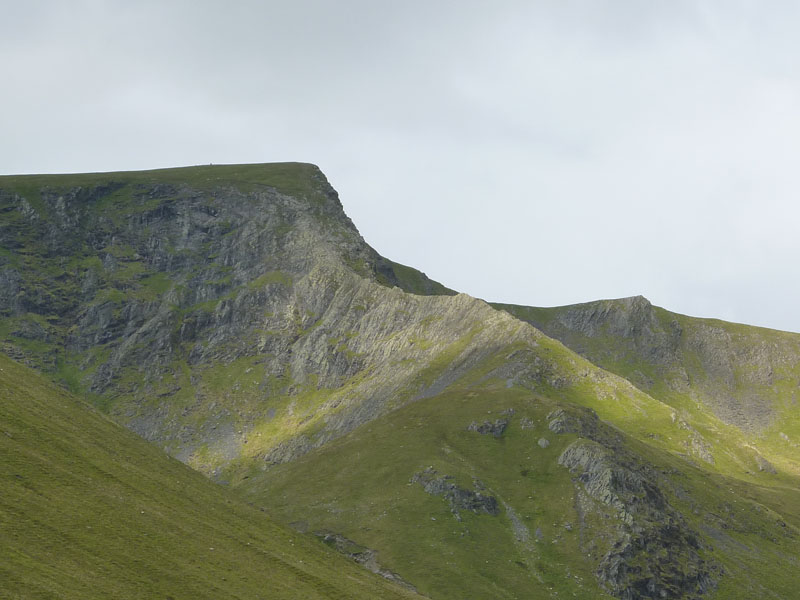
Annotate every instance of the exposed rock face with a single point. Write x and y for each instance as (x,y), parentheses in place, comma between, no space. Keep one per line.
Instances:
(696,444)
(156,294)
(364,556)
(585,423)
(655,554)
(742,373)
(223,320)
(459,498)
(765,465)
(495,429)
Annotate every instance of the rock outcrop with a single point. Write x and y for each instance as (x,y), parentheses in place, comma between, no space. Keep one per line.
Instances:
(366,557)
(655,553)
(458,498)
(196,309)
(495,429)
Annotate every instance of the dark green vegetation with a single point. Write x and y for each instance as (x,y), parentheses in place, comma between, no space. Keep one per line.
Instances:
(90,510)
(235,317)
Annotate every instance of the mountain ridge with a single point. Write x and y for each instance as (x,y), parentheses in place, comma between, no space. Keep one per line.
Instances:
(235,317)
(747,376)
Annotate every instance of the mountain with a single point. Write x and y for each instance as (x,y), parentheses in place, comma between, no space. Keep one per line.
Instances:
(158,292)
(748,377)
(90,510)
(234,316)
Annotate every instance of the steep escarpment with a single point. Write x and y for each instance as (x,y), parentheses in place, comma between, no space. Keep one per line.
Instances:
(102,252)
(133,286)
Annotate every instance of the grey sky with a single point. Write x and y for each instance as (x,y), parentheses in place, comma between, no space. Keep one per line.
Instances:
(539,153)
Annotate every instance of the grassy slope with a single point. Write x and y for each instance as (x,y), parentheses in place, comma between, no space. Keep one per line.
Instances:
(415,282)
(620,355)
(360,486)
(89,510)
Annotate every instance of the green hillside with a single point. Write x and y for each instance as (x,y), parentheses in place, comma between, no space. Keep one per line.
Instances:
(89,510)
(745,376)
(234,317)
(582,509)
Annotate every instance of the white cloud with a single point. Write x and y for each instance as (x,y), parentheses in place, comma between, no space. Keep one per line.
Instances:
(538,153)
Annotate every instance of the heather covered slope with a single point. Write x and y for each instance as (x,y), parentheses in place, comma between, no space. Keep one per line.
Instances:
(89,510)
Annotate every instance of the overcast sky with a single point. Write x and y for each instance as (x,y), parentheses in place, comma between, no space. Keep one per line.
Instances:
(534,152)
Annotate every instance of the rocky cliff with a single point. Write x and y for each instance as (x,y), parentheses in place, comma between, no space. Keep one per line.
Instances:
(141,289)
